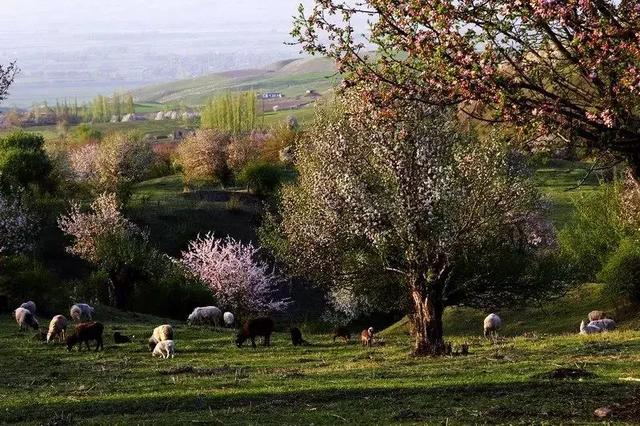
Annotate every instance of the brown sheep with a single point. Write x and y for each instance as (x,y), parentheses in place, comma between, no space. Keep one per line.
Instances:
(341,332)
(366,337)
(597,315)
(256,327)
(84,333)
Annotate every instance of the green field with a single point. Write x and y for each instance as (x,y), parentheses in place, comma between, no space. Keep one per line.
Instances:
(210,381)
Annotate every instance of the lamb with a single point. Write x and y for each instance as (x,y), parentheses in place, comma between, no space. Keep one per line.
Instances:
(30,306)
(256,327)
(57,328)
(589,328)
(25,319)
(160,333)
(606,324)
(491,325)
(84,333)
(204,315)
(597,315)
(366,337)
(341,332)
(229,319)
(296,337)
(81,311)
(121,338)
(165,349)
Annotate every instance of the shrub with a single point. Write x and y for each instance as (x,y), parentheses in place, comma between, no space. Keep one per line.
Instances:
(621,273)
(23,161)
(86,133)
(261,177)
(203,157)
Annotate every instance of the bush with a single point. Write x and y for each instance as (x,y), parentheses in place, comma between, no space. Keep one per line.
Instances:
(204,158)
(262,178)
(23,161)
(621,273)
(85,133)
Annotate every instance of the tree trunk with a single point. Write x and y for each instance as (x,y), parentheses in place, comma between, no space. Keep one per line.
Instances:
(426,318)
(122,288)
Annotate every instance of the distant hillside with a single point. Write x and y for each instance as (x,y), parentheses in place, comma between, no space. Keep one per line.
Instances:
(292,77)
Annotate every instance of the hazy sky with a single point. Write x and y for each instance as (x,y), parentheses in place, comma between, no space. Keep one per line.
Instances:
(149,15)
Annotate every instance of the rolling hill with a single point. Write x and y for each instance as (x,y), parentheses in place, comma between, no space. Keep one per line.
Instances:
(291,77)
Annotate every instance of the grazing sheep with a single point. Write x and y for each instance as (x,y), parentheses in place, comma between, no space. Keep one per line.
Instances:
(256,327)
(228,319)
(366,337)
(81,311)
(341,332)
(589,329)
(160,333)
(121,338)
(296,337)
(597,315)
(606,324)
(84,333)
(25,319)
(205,315)
(30,306)
(164,349)
(57,328)
(491,325)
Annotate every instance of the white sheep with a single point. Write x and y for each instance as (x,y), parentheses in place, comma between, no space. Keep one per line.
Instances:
(57,328)
(589,329)
(25,319)
(165,349)
(606,324)
(491,325)
(229,319)
(160,334)
(204,315)
(81,311)
(30,306)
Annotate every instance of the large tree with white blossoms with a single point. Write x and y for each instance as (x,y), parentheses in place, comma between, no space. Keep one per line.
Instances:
(402,189)
(17,225)
(236,275)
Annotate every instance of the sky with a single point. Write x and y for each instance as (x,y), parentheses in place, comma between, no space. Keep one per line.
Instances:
(80,48)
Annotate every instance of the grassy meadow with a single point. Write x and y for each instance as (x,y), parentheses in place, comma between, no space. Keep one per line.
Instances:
(516,380)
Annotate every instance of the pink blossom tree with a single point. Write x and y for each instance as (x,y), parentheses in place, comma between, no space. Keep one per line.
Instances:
(84,162)
(566,68)
(234,273)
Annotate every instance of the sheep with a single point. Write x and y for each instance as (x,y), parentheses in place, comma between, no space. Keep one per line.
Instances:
(606,324)
(491,325)
(256,327)
(160,333)
(81,311)
(366,337)
(57,328)
(296,337)
(86,332)
(206,314)
(597,315)
(25,319)
(589,329)
(229,319)
(121,338)
(341,332)
(30,306)
(165,349)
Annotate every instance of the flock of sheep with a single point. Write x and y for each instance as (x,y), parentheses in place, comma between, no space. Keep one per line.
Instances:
(161,342)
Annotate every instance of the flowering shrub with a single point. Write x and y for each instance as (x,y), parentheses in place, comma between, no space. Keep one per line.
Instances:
(17,226)
(235,275)
(204,157)
(104,217)
(84,162)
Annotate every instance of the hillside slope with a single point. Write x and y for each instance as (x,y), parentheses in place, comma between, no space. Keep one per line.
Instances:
(293,78)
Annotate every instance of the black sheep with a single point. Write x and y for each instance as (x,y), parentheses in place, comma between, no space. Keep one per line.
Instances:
(120,338)
(256,327)
(296,337)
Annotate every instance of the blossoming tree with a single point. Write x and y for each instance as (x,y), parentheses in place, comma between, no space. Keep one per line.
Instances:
(401,185)
(234,273)
(17,226)
(569,68)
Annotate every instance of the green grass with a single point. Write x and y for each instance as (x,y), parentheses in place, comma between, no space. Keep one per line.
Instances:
(211,381)
(174,218)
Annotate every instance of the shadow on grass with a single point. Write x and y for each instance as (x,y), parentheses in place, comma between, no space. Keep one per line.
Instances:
(534,400)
